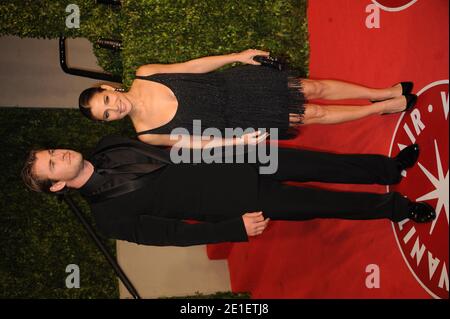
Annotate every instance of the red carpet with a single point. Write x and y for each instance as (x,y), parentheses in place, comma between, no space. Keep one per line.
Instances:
(328,258)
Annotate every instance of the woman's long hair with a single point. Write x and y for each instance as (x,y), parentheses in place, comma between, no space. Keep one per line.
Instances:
(85,99)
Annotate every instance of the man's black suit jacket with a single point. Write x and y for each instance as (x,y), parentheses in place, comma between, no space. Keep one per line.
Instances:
(217,195)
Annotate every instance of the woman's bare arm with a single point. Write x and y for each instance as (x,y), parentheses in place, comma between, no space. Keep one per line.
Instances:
(202,65)
(188,141)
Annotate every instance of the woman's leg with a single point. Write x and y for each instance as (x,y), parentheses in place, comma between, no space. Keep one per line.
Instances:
(333,114)
(339,90)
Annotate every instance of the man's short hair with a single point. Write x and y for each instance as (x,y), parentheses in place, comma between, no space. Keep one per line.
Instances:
(29,177)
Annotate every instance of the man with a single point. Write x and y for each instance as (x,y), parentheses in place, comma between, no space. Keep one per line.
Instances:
(137,194)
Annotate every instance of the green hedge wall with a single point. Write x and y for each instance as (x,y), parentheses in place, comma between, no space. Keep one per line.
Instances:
(179,30)
(167,31)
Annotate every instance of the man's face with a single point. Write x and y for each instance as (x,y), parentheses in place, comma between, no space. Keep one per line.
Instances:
(58,165)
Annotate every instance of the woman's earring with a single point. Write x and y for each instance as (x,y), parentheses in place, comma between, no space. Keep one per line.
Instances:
(119,90)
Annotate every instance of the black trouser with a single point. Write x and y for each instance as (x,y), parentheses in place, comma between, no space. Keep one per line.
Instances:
(279,201)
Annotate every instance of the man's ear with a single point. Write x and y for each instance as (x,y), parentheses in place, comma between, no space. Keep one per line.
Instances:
(107,87)
(56,187)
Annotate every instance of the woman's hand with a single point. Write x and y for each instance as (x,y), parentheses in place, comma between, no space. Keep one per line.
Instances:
(255,223)
(252,138)
(248,55)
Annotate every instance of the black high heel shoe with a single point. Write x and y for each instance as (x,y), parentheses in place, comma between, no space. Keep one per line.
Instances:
(411,100)
(407,88)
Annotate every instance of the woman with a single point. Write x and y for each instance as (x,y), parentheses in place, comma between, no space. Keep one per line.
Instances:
(164,97)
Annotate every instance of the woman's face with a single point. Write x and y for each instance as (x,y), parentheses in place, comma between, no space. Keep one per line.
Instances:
(109,105)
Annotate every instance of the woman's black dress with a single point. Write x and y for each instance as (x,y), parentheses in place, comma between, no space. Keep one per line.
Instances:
(244,97)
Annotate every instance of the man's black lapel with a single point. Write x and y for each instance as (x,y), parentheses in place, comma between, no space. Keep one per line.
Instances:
(118,142)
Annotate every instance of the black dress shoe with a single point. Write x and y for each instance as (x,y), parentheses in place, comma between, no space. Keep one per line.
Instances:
(407,88)
(408,156)
(421,212)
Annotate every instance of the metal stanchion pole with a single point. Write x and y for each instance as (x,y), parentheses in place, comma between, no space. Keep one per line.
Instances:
(118,270)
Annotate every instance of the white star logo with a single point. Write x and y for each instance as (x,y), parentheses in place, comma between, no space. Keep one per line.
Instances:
(441,188)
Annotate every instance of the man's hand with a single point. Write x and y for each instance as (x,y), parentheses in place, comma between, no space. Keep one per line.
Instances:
(255,223)
(248,55)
